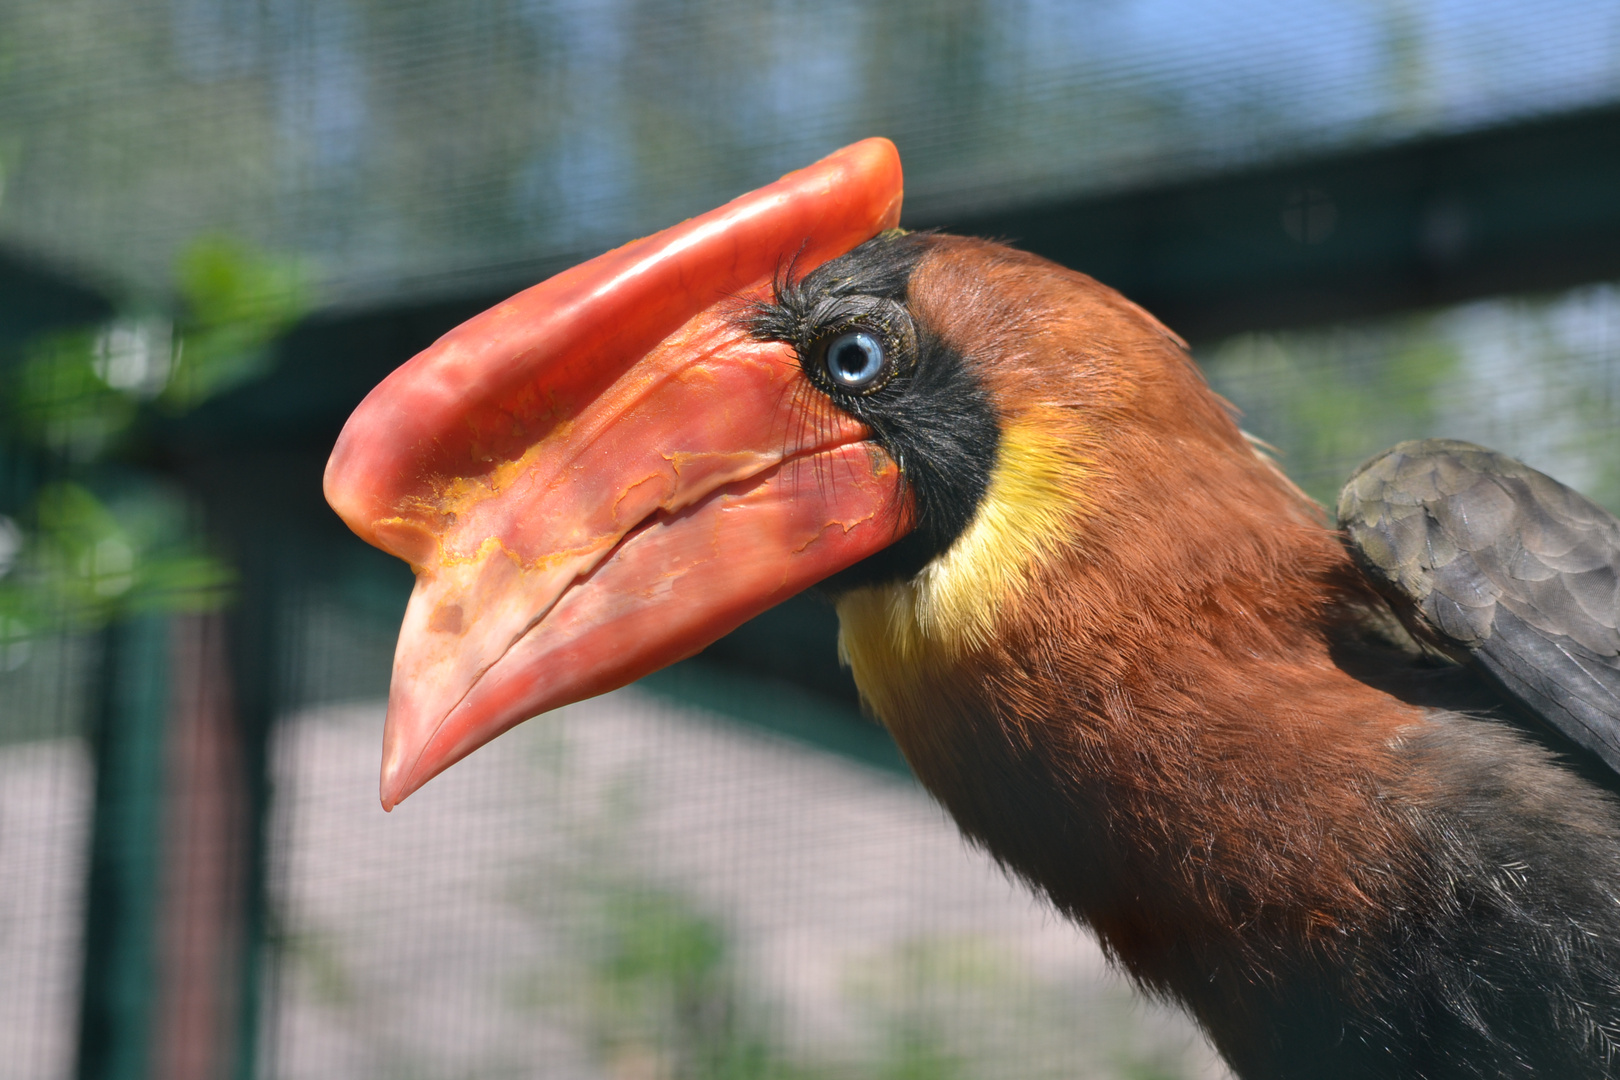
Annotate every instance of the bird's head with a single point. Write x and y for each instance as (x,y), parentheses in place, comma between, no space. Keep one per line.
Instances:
(611,470)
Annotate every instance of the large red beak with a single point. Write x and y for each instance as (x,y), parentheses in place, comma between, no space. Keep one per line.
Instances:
(604,474)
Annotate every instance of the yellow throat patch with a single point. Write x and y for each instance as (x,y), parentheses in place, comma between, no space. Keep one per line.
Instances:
(894,636)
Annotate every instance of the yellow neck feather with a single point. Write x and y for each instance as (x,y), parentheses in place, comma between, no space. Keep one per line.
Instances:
(894,636)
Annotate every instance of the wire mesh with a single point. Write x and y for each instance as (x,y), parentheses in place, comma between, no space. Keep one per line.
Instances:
(1534,377)
(636,887)
(45,809)
(633,889)
(652,885)
(404,148)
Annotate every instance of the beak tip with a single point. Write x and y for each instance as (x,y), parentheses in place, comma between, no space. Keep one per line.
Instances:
(394,786)
(393,792)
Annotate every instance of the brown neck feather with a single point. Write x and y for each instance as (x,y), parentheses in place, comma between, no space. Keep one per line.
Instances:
(1158,736)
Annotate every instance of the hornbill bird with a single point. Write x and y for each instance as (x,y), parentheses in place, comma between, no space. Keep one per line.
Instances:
(1346,794)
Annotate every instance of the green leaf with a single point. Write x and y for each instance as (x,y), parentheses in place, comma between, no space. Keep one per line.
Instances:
(58,401)
(237,301)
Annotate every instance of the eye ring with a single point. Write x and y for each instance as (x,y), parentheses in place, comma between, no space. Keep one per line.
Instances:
(856,361)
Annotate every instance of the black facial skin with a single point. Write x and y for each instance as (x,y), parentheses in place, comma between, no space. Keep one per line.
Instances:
(925,407)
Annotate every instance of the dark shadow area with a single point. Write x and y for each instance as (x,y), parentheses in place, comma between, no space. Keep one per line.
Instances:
(1522,208)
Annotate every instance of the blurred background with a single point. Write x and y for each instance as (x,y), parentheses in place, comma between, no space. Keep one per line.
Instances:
(222,221)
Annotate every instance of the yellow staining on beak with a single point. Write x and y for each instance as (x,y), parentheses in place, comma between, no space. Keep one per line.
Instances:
(893,635)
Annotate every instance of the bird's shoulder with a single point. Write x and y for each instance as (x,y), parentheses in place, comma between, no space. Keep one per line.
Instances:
(1503,567)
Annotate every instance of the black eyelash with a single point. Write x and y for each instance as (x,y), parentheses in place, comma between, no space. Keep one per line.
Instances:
(931,414)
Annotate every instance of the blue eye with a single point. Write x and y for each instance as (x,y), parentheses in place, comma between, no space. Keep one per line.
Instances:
(854,360)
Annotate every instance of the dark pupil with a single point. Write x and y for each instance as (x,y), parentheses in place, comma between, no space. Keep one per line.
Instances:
(854,359)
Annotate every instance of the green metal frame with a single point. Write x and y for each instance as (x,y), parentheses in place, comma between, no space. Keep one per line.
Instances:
(117,1002)
(1523,208)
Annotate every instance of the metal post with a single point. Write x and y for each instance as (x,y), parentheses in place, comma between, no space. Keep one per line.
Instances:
(120,955)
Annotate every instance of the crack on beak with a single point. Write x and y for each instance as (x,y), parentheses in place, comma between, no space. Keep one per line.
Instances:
(647,522)
(657,516)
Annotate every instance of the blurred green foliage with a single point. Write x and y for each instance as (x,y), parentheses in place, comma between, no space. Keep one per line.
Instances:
(668,997)
(91,559)
(1534,377)
(664,996)
(1331,399)
(236,302)
(657,985)
(92,535)
(58,402)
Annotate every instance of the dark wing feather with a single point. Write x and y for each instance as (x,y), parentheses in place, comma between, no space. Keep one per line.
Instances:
(1484,554)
